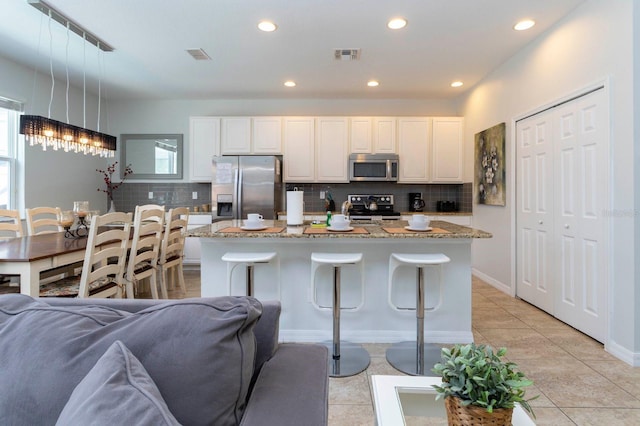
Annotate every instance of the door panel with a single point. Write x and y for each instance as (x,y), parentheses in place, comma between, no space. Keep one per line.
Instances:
(534,218)
(583,145)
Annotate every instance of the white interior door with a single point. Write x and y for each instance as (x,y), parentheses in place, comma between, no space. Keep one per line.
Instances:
(534,217)
(580,202)
(562,192)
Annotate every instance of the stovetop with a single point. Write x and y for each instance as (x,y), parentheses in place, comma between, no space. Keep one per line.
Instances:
(360,204)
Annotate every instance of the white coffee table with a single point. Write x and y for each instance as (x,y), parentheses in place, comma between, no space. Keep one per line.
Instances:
(395,397)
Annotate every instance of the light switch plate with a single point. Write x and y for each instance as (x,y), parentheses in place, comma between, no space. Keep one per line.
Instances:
(194,195)
(322,195)
(151,195)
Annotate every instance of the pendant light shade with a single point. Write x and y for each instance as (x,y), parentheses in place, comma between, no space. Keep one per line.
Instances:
(67,137)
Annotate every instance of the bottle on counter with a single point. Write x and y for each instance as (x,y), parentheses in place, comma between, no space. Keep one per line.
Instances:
(328,217)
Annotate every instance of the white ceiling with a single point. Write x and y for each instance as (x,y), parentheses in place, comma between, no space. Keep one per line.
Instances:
(444,40)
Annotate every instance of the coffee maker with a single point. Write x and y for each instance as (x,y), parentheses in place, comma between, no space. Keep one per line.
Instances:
(416,203)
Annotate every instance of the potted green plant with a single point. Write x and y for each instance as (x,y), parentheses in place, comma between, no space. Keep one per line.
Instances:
(478,384)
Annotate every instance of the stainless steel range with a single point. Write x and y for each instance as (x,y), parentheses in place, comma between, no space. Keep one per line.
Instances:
(368,206)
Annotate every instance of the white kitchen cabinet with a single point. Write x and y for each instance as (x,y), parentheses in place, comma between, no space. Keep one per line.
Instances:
(204,143)
(384,135)
(413,149)
(299,149)
(192,244)
(267,135)
(360,135)
(235,135)
(332,149)
(447,155)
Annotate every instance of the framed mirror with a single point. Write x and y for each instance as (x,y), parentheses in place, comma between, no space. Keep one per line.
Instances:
(152,156)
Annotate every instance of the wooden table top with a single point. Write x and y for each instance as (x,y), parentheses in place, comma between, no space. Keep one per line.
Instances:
(36,247)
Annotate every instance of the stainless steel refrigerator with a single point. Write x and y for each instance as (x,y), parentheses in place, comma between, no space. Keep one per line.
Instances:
(246,184)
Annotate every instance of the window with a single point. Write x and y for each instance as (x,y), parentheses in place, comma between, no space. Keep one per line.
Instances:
(9,113)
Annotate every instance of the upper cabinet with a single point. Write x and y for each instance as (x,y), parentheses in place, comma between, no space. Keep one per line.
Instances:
(447,163)
(267,135)
(235,135)
(360,135)
(316,150)
(204,143)
(413,149)
(384,135)
(299,149)
(246,135)
(332,141)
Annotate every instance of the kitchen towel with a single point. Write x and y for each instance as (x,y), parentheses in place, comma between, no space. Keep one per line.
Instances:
(295,207)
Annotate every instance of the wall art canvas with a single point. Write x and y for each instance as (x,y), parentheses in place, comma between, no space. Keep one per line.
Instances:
(490,166)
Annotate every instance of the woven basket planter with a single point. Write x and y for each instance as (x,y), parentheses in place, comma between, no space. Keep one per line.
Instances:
(473,415)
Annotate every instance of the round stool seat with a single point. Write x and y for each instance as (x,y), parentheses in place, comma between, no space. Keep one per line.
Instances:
(337,258)
(234,259)
(421,259)
(248,257)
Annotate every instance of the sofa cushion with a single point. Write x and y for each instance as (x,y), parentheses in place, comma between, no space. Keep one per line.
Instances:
(117,387)
(199,352)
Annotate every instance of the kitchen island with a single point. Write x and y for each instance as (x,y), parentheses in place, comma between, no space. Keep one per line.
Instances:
(375,322)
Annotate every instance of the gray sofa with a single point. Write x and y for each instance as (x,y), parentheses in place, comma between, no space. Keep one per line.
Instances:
(208,361)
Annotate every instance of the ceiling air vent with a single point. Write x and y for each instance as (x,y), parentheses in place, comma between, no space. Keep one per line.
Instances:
(346,54)
(199,54)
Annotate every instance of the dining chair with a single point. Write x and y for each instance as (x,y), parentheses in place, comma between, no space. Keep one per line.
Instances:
(108,239)
(10,227)
(148,225)
(172,249)
(10,224)
(43,220)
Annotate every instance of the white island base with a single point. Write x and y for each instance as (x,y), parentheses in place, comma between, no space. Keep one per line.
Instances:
(376,321)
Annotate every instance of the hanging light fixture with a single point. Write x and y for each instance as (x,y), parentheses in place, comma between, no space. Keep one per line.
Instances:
(55,134)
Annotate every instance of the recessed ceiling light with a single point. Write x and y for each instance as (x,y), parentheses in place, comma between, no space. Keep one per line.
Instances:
(397,23)
(290,83)
(373,83)
(525,24)
(456,84)
(267,26)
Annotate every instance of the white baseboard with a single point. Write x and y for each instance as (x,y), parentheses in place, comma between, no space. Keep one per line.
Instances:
(492,282)
(623,354)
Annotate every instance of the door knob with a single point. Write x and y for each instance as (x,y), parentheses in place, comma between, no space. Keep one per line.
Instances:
(566,226)
(539,222)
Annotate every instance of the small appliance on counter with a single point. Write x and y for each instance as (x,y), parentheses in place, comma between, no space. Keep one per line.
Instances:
(446,206)
(416,203)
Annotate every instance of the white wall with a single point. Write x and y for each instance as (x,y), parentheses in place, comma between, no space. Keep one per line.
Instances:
(54,178)
(593,43)
(172,116)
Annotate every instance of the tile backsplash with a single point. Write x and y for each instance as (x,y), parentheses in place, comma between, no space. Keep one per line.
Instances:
(181,194)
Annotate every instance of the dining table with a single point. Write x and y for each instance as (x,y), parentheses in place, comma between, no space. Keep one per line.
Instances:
(30,255)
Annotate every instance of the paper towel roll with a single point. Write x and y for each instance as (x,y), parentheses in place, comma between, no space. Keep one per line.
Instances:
(295,207)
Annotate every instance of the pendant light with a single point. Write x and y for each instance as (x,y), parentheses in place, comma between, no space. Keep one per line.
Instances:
(55,134)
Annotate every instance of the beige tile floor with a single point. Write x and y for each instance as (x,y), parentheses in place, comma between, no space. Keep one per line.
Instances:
(578,382)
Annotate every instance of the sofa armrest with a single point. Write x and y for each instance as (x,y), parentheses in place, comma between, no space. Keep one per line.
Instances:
(292,388)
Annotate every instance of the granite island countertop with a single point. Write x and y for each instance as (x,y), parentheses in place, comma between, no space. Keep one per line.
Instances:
(395,229)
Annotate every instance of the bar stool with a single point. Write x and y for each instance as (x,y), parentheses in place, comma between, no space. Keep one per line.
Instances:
(249,259)
(411,357)
(345,358)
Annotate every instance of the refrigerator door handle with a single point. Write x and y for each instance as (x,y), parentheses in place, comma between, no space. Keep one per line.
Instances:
(238,191)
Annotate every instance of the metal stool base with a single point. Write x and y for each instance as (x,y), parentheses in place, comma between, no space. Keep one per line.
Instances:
(354,359)
(403,356)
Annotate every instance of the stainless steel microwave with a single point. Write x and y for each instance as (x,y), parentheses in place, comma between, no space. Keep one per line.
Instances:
(373,167)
